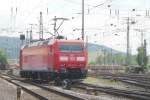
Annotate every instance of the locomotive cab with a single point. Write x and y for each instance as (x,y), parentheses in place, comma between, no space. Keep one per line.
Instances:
(71,59)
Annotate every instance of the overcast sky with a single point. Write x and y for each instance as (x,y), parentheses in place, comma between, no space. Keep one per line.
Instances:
(101,26)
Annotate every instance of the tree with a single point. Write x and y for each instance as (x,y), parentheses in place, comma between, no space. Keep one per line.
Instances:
(3,59)
(99,59)
(142,59)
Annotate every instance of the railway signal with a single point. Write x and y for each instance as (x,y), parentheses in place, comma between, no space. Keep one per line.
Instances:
(22,38)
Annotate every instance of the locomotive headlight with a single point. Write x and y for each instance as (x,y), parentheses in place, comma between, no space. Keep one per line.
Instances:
(63,58)
(80,58)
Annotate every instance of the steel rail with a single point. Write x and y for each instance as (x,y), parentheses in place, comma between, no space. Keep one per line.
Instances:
(138,95)
(136,81)
(25,89)
(47,88)
(58,92)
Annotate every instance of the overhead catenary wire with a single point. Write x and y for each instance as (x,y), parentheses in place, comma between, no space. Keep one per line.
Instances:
(89,8)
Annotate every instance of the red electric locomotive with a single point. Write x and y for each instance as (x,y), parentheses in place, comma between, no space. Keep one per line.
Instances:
(55,59)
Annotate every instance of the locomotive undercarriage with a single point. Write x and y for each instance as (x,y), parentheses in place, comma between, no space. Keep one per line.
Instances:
(74,73)
(71,74)
(64,77)
(67,77)
(37,75)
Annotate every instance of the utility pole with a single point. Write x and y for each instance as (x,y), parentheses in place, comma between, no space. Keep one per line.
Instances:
(31,33)
(128,42)
(142,38)
(27,37)
(104,57)
(111,56)
(142,35)
(86,44)
(55,21)
(82,19)
(145,46)
(145,53)
(13,19)
(41,27)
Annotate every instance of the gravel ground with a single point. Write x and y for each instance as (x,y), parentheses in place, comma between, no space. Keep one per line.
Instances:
(112,83)
(108,83)
(8,91)
(47,94)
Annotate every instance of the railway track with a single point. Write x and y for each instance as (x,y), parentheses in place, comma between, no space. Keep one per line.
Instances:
(36,95)
(46,92)
(134,94)
(138,80)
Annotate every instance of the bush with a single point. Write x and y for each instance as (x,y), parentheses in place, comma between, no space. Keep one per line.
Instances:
(3,59)
(148,66)
(92,63)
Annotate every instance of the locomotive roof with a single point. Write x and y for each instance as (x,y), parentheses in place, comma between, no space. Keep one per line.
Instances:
(73,41)
(51,41)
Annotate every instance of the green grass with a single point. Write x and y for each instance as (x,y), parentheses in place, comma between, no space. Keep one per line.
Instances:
(100,81)
(105,82)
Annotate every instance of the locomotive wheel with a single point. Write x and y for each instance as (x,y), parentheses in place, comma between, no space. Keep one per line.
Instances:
(66,84)
(57,82)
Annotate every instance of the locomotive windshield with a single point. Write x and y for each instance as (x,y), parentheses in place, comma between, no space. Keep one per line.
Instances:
(70,47)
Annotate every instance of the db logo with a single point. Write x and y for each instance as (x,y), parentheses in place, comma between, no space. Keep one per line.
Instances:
(72,57)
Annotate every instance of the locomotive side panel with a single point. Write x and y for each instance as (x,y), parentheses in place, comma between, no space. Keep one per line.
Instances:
(35,58)
(50,57)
